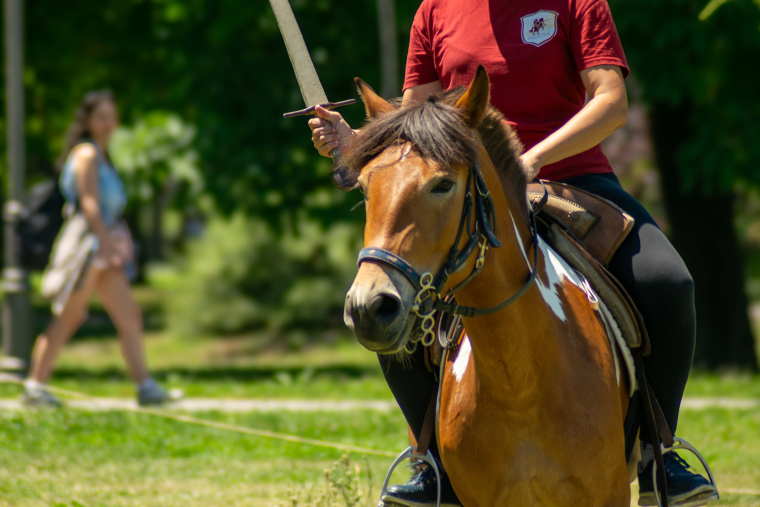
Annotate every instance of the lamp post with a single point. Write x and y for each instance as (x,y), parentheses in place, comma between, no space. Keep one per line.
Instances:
(16,330)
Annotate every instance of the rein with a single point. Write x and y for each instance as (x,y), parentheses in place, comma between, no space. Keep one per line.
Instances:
(428,299)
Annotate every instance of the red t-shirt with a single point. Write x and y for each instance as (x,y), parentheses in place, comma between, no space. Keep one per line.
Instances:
(533,52)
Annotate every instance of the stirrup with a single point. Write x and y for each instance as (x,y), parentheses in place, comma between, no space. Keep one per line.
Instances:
(680,443)
(427,458)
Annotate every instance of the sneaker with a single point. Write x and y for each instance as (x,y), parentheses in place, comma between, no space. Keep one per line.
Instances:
(420,491)
(685,488)
(38,397)
(154,394)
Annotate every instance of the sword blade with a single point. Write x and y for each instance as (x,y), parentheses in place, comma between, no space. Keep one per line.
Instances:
(306,74)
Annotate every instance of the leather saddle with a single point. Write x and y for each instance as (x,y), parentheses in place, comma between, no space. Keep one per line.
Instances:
(586,230)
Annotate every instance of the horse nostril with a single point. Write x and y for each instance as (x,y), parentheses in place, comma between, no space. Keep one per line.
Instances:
(384,307)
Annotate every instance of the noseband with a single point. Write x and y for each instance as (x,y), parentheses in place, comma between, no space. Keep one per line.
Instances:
(428,299)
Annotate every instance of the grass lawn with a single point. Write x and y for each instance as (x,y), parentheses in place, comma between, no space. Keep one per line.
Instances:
(55,458)
(71,458)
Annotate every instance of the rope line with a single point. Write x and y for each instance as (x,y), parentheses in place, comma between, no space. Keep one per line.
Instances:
(227,427)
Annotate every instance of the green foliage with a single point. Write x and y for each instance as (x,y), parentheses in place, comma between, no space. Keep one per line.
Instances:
(239,276)
(708,65)
(222,66)
(156,155)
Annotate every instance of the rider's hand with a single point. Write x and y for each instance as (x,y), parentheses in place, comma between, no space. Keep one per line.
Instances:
(531,164)
(108,255)
(328,131)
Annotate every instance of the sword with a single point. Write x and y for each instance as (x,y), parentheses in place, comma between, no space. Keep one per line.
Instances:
(308,80)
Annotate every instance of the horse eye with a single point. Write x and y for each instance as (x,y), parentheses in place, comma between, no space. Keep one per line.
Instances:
(443,186)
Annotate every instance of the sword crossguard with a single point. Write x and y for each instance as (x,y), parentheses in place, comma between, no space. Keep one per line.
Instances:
(326,105)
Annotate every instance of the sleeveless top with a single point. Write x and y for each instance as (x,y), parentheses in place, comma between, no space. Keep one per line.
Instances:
(113,198)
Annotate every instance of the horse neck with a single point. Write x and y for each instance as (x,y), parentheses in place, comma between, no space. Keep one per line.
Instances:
(506,342)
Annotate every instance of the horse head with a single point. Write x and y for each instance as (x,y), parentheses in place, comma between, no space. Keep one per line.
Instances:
(414,166)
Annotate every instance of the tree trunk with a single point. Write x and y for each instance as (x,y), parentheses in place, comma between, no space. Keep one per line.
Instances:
(702,230)
(386,21)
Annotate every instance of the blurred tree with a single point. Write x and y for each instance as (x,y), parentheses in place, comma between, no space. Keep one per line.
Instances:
(699,79)
(159,165)
(222,66)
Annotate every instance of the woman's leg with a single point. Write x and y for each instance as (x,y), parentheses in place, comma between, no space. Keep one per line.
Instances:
(661,287)
(62,328)
(116,294)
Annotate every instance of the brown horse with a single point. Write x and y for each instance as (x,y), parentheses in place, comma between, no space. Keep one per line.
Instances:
(530,410)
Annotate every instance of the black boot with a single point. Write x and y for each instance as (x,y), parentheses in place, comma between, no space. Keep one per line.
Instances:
(685,488)
(421,491)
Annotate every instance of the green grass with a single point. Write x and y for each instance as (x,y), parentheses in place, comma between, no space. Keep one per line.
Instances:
(730,442)
(213,367)
(55,458)
(242,367)
(121,458)
(731,384)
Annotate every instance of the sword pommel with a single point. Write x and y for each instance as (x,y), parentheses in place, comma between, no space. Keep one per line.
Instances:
(326,105)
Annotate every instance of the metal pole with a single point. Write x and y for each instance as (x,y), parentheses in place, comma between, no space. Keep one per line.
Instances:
(16,338)
(386,19)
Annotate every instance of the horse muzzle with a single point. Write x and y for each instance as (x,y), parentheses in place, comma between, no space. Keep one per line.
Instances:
(378,307)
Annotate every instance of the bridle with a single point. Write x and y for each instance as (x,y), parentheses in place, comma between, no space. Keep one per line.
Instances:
(428,299)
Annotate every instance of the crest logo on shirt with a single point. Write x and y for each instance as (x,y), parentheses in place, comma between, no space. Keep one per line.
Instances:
(539,28)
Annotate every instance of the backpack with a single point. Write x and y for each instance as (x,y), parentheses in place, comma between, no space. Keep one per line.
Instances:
(39,224)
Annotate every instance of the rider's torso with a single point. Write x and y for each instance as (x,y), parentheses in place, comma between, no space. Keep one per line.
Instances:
(533,52)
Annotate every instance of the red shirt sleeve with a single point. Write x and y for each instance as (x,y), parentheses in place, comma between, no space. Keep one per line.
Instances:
(420,63)
(593,37)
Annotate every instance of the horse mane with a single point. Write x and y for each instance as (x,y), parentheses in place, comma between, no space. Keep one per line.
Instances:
(437,131)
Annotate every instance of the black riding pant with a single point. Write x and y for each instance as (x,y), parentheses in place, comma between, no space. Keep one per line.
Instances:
(656,278)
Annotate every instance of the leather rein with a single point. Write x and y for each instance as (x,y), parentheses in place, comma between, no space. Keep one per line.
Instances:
(428,299)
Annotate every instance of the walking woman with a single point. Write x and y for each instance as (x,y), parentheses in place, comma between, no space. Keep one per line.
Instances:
(545,59)
(90,254)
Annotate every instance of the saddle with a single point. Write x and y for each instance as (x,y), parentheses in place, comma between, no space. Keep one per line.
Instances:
(586,230)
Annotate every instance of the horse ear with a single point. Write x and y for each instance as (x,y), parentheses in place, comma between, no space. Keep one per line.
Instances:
(373,103)
(474,102)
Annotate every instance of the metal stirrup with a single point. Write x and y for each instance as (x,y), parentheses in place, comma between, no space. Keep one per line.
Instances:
(680,443)
(427,458)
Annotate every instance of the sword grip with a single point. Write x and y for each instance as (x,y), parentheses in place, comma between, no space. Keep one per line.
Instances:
(335,152)
(337,160)
(341,175)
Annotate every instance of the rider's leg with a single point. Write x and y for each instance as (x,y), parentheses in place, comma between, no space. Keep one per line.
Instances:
(662,289)
(660,285)
(412,384)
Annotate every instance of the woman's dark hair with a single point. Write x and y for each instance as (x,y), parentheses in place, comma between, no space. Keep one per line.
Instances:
(77,131)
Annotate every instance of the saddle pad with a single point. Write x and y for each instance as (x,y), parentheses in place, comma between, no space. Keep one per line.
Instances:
(615,298)
(596,222)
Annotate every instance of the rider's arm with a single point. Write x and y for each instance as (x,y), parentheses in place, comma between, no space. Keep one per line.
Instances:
(605,112)
(416,94)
